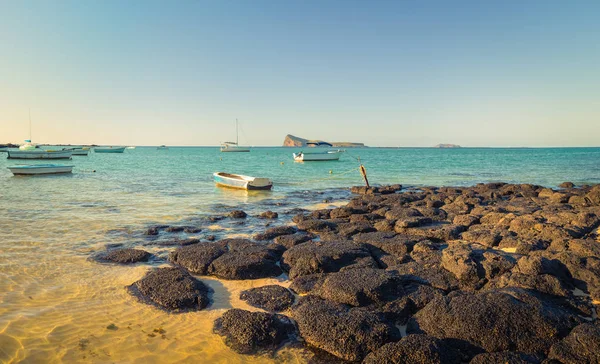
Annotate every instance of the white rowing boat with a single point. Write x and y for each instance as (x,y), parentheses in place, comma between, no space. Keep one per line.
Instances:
(37,169)
(242,182)
(39,154)
(332,155)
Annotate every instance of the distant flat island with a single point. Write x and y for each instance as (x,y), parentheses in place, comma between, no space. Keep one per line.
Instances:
(444,146)
(294,141)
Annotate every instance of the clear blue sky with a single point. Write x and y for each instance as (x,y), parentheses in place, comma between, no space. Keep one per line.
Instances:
(386,73)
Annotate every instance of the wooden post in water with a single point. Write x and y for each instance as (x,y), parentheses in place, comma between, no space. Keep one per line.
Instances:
(363,171)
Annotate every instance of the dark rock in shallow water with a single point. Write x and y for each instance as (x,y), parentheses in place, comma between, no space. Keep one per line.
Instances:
(307,283)
(154,230)
(315,225)
(248,332)
(246,261)
(348,333)
(197,258)
(496,320)
(289,241)
(318,257)
(270,298)
(172,289)
(272,233)
(269,215)
(505,357)
(238,214)
(415,349)
(360,287)
(178,242)
(124,256)
(582,345)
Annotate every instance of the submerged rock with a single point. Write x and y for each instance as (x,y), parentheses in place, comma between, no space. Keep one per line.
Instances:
(237,214)
(172,289)
(124,256)
(248,332)
(270,298)
(269,215)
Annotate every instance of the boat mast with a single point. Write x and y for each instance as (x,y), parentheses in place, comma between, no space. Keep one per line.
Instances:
(30,125)
(237,142)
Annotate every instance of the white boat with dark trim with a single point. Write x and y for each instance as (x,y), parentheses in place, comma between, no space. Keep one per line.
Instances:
(234,147)
(162,147)
(109,149)
(38,169)
(242,182)
(39,154)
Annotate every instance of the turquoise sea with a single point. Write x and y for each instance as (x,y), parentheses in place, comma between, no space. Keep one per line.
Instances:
(56,304)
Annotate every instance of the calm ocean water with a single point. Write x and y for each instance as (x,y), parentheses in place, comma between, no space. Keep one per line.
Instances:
(55,304)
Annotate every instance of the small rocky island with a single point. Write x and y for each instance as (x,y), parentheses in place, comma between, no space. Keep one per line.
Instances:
(294,141)
(494,273)
(447,146)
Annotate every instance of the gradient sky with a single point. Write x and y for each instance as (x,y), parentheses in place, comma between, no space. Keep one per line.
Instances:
(386,73)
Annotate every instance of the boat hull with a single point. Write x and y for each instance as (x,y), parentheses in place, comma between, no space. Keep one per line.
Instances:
(38,154)
(317,157)
(242,182)
(234,149)
(109,150)
(40,169)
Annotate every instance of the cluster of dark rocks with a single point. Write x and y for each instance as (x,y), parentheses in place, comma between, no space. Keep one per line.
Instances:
(494,273)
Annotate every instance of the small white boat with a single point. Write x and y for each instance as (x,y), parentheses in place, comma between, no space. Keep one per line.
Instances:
(28,145)
(332,155)
(162,147)
(39,154)
(109,149)
(234,147)
(242,182)
(316,152)
(130,148)
(37,169)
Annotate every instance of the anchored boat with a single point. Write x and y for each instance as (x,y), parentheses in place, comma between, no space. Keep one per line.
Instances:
(234,147)
(79,151)
(37,169)
(317,153)
(39,154)
(242,182)
(109,149)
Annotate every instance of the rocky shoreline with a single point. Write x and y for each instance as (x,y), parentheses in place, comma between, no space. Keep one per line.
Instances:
(485,274)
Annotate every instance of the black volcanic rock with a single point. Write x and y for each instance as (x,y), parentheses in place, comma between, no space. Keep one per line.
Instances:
(124,256)
(501,320)
(318,257)
(415,349)
(348,333)
(270,298)
(172,289)
(248,332)
(582,345)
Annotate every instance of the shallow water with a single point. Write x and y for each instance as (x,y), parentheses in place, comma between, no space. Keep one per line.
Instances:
(56,304)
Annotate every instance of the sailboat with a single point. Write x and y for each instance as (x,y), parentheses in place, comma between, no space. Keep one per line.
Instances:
(234,147)
(28,145)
